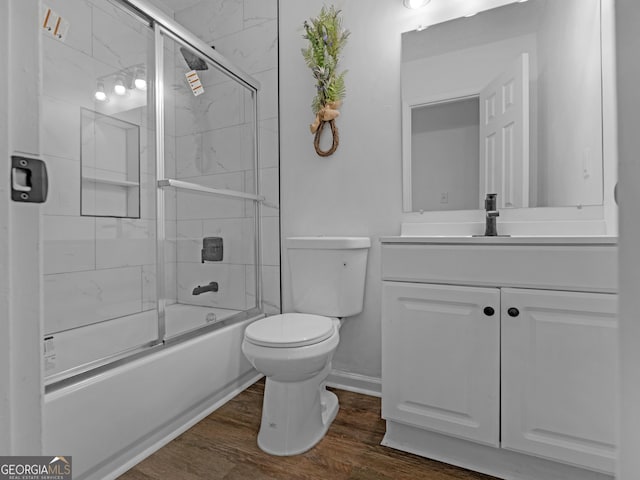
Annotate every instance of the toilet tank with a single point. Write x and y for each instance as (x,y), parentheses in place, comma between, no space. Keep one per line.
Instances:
(328,274)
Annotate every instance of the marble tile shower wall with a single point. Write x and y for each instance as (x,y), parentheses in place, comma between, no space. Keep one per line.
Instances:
(96,268)
(214,148)
(211,135)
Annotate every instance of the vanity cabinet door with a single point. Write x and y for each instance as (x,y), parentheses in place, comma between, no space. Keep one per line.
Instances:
(440,358)
(559,368)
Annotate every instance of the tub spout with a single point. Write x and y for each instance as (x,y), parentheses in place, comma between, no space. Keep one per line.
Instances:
(212,287)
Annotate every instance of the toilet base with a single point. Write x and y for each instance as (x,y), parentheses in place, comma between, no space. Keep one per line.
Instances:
(330,407)
(295,416)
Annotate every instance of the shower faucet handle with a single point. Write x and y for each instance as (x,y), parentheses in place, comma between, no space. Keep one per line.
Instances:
(212,249)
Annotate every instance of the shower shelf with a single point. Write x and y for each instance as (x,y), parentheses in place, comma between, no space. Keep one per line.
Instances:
(179,184)
(108,181)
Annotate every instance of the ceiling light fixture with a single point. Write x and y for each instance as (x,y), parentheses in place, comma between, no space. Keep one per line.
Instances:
(413,4)
(119,88)
(140,82)
(100,95)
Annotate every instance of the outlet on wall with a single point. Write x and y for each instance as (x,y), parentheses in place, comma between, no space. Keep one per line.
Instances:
(444,197)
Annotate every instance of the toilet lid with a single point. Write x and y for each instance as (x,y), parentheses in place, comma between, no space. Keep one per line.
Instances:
(290,330)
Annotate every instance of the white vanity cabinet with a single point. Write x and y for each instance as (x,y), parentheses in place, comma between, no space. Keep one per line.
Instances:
(440,337)
(558,370)
(506,344)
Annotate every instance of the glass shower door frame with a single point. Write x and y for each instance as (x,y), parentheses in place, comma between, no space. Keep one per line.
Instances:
(202,50)
(162,27)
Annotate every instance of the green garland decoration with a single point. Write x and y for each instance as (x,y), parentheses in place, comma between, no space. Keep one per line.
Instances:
(326,39)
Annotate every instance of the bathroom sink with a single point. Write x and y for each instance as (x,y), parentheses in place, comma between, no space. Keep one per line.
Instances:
(502,240)
(490,236)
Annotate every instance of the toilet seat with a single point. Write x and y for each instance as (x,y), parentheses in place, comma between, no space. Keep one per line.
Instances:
(290,330)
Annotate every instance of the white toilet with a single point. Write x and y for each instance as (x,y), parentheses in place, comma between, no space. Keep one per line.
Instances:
(294,350)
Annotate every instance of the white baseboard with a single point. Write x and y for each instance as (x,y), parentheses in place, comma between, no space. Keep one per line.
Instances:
(497,462)
(354,382)
(120,465)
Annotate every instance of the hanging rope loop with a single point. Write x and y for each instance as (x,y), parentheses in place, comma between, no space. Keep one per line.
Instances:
(335,139)
(327,114)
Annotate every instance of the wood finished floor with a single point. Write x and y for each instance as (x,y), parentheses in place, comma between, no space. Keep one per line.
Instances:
(223,446)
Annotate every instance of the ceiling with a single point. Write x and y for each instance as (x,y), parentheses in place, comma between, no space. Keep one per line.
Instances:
(177,5)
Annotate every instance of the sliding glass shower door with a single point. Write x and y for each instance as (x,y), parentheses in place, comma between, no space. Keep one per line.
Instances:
(99,222)
(150,230)
(208,242)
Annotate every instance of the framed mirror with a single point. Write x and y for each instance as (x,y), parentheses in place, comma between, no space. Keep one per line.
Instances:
(508,101)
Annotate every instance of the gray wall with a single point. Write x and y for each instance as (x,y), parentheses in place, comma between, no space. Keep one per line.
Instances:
(444,156)
(356,191)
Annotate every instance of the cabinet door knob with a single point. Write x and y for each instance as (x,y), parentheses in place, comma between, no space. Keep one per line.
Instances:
(513,312)
(489,311)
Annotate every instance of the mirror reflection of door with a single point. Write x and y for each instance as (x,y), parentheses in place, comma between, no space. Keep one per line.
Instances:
(444,154)
(466,147)
(504,136)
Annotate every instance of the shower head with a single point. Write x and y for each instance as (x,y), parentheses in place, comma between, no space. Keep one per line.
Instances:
(193,61)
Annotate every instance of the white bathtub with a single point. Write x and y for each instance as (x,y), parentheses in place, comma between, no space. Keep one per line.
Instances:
(79,346)
(113,420)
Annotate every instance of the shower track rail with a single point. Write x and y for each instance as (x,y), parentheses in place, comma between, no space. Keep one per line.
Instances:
(181,185)
(173,29)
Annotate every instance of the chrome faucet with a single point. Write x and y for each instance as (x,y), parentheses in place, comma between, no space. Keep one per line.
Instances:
(212,287)
(491,230)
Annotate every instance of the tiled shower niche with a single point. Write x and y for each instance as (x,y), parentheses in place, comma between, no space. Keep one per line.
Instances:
(110,166)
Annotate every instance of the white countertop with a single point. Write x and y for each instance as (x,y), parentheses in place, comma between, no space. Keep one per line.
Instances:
(515,240)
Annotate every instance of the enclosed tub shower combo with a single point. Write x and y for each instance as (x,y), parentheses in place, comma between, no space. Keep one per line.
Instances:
(151,233)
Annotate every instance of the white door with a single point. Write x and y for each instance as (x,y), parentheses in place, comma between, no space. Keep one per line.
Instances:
(440,358)
(559,367)
(504,136)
